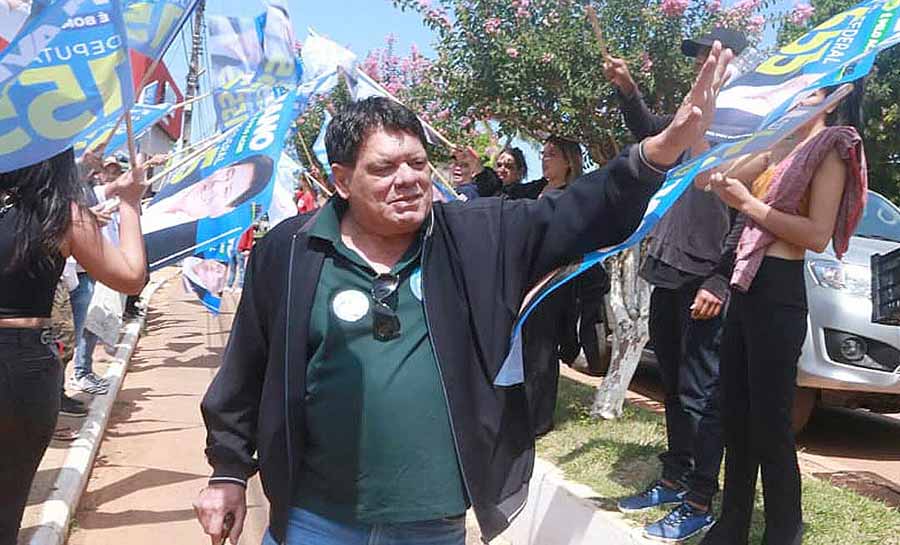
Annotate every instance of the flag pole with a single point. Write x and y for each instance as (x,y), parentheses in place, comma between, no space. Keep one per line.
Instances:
(443,181)
(212,142)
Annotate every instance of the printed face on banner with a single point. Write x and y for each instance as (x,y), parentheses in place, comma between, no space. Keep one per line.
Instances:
(814,60)
(212,196)
(209,202)
(65,72)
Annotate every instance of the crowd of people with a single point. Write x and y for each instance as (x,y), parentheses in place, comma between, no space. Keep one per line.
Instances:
(366,377)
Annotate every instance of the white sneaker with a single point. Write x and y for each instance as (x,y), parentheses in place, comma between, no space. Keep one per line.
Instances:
(89,384)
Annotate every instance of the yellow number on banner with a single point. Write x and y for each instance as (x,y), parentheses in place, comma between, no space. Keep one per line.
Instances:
(17,138)
(43,107)
(104,72)
(170,14)
(138,14)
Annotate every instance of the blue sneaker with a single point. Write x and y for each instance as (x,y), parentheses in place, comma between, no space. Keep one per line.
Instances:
(684,522)
(658,494)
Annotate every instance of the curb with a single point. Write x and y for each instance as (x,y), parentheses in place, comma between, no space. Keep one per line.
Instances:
(563,512)
(59,507)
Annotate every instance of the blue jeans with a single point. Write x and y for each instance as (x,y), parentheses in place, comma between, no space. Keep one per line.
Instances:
(236,270)
(85,341)
(306,528)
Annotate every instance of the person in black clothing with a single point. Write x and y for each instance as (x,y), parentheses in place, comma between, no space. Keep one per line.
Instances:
(418,414)
(511,166)
(44,219)
(684,250)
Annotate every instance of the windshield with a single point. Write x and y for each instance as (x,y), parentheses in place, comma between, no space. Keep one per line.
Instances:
(881,219)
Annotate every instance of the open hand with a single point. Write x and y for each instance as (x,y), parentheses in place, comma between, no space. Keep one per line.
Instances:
(695,115)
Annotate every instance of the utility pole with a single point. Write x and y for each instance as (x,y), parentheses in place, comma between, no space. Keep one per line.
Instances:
(193,76)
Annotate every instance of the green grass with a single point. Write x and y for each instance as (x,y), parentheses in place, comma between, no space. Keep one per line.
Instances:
(618,458)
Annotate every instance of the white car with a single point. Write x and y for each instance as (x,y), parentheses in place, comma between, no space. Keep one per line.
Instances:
(847,360)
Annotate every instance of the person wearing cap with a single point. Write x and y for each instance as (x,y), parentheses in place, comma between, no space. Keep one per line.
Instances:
(113,167)
(689,292)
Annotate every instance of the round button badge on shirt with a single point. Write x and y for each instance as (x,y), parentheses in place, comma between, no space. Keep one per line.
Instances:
(350,305)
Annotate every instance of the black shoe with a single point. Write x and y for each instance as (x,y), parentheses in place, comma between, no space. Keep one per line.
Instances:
(72,407)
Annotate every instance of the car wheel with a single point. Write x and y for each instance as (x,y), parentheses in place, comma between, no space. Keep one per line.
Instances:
(804,403)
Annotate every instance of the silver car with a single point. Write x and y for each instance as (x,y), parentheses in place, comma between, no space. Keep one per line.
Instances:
(847,360)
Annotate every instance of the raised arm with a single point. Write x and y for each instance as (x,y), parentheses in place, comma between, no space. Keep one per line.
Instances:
(638,118)
(811,232)
(121,268)
(604,207)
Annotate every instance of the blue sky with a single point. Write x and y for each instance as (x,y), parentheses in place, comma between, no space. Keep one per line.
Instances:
(361,25)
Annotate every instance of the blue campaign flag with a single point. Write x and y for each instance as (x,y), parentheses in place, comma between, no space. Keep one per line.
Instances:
(153,24)
(67,70)
(206,279)
(207,203)
(839,50)
(318,148)
(677,182)
(253,61)
(143,116)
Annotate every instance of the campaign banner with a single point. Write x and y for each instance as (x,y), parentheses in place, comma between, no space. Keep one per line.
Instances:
(253,60)
(839,50)
(143,116)
(207,203)
(205,278)
(153,24)
(677,181)
(67,70)
(319,149)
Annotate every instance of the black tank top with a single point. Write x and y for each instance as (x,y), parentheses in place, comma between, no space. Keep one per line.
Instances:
(25,292)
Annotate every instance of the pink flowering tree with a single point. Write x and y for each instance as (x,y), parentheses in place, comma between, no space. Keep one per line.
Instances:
(534,66)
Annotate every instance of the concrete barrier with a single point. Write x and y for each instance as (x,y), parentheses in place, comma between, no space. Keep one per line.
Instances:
(58,508)
(562,512)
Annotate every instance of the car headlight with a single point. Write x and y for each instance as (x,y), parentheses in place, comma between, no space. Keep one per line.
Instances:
(855,280)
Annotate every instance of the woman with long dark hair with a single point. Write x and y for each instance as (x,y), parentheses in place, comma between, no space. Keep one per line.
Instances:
(43,220)
(814,195)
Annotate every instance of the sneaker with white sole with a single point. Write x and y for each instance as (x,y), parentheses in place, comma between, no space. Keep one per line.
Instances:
(682,523)
(656,494)
(89,384)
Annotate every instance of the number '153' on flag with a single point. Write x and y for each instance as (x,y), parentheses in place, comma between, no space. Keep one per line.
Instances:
(67,70)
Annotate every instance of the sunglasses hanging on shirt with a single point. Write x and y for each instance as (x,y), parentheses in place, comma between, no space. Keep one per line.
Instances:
(385,322)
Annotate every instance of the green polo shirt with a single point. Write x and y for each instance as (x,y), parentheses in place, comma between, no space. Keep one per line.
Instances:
(379,445)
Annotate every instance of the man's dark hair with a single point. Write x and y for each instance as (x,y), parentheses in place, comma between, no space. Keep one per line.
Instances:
(356,121)
(262,174)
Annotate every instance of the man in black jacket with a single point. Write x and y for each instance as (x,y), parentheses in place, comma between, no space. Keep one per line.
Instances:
(685,325)
(361,375)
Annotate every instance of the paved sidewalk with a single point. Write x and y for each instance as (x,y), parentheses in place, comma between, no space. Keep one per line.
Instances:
(151,465)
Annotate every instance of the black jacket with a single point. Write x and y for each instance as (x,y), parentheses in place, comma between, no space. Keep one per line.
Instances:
(478,261)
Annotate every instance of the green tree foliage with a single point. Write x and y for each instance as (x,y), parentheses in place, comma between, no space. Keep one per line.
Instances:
(535,67)
(881,105)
